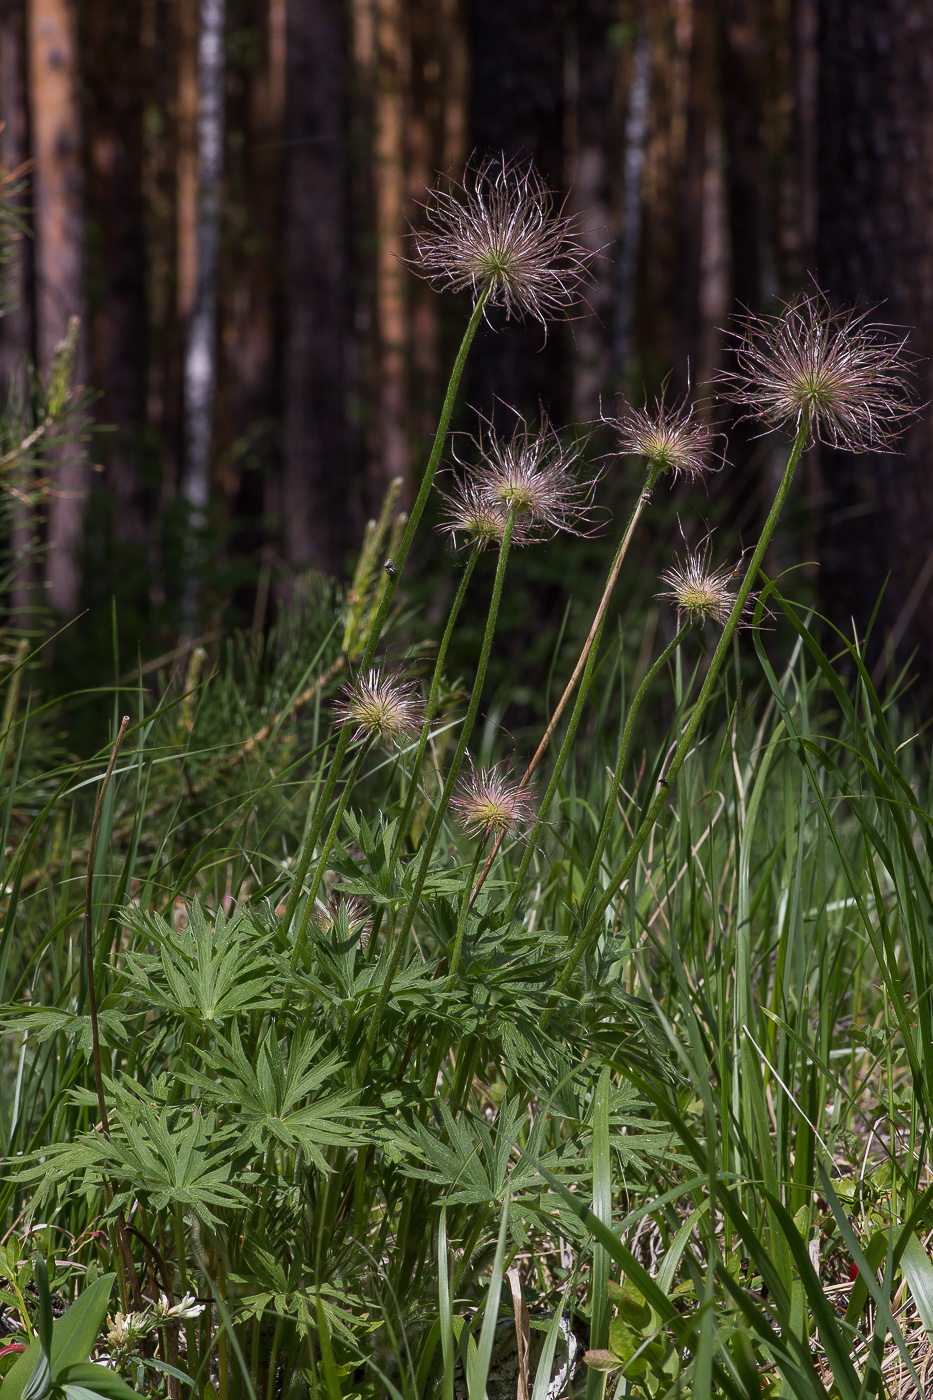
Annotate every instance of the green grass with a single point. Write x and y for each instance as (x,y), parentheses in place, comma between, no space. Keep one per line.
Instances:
(734,1086)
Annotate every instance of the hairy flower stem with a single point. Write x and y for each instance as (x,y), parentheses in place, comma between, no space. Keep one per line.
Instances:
(465,906)
(348,787)
(595,922)
(375,631)
(432,700)
(590,647)
(624,749)
(586,663)
(424,855)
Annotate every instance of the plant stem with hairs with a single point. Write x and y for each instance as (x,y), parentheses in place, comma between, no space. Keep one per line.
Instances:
(432,699)
(348,787)
(465,906)
(686,740)
(624,750)
(440,437)
(590,648)
(427,850)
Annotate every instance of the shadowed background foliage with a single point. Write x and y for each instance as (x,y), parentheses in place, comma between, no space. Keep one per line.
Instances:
(225,190)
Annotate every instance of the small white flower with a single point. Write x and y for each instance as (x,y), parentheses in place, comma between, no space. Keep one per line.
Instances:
(188,1307)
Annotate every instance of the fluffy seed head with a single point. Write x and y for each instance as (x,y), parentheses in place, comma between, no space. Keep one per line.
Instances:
(850,378)
(669,437)
(489,803)
(470,513)
(531,474)
(500,229)
(359,919)
(699,590)
(383,708)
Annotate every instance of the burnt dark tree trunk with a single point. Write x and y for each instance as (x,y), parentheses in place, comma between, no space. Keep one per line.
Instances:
(17,328)
(518,108)
(875,215)
(114,93)
(318,485)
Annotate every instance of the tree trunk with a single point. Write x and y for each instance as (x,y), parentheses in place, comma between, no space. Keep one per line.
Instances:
(588,85)
(118,331)
(700,122)
(317,480)
(249,403)
(59,271)
(392,456)
(518,108)
(17,327)
(628,245)
(875,212)
(200,352)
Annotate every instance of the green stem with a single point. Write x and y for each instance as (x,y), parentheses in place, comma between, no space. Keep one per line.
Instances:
(382,612)
(326,849)
(585,664)
(432,700)
(191,1335)
(465,906)
(624,748)
(431,841)
(466,1068)
(274,1355)
(686,740)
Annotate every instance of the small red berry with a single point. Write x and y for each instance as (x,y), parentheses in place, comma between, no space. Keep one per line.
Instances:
(853,1272)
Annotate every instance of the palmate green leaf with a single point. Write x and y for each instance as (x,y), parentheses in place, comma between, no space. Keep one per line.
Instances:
(207,973)
(276,1101)
(475,1166)
(41,1023)
(178,1162)
(163,1154)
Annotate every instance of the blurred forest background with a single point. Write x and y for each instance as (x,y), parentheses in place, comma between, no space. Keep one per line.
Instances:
(222,190)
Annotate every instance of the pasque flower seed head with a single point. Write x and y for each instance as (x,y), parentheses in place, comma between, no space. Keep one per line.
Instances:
(467,511)
(500,229)
(383,708)
(488,802)
(669,437)
(359,919)
(699,590)
(531,474)
(849,378)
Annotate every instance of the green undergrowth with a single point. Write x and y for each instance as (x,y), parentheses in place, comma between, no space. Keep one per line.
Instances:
(709,1150)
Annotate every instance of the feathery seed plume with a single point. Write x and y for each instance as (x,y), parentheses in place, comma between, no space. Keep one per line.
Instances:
(669,437)
(488,803)
(383,708)
(500,229)
(699,590)
(531,474)
(358,916)
(468,511)
(851,377)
